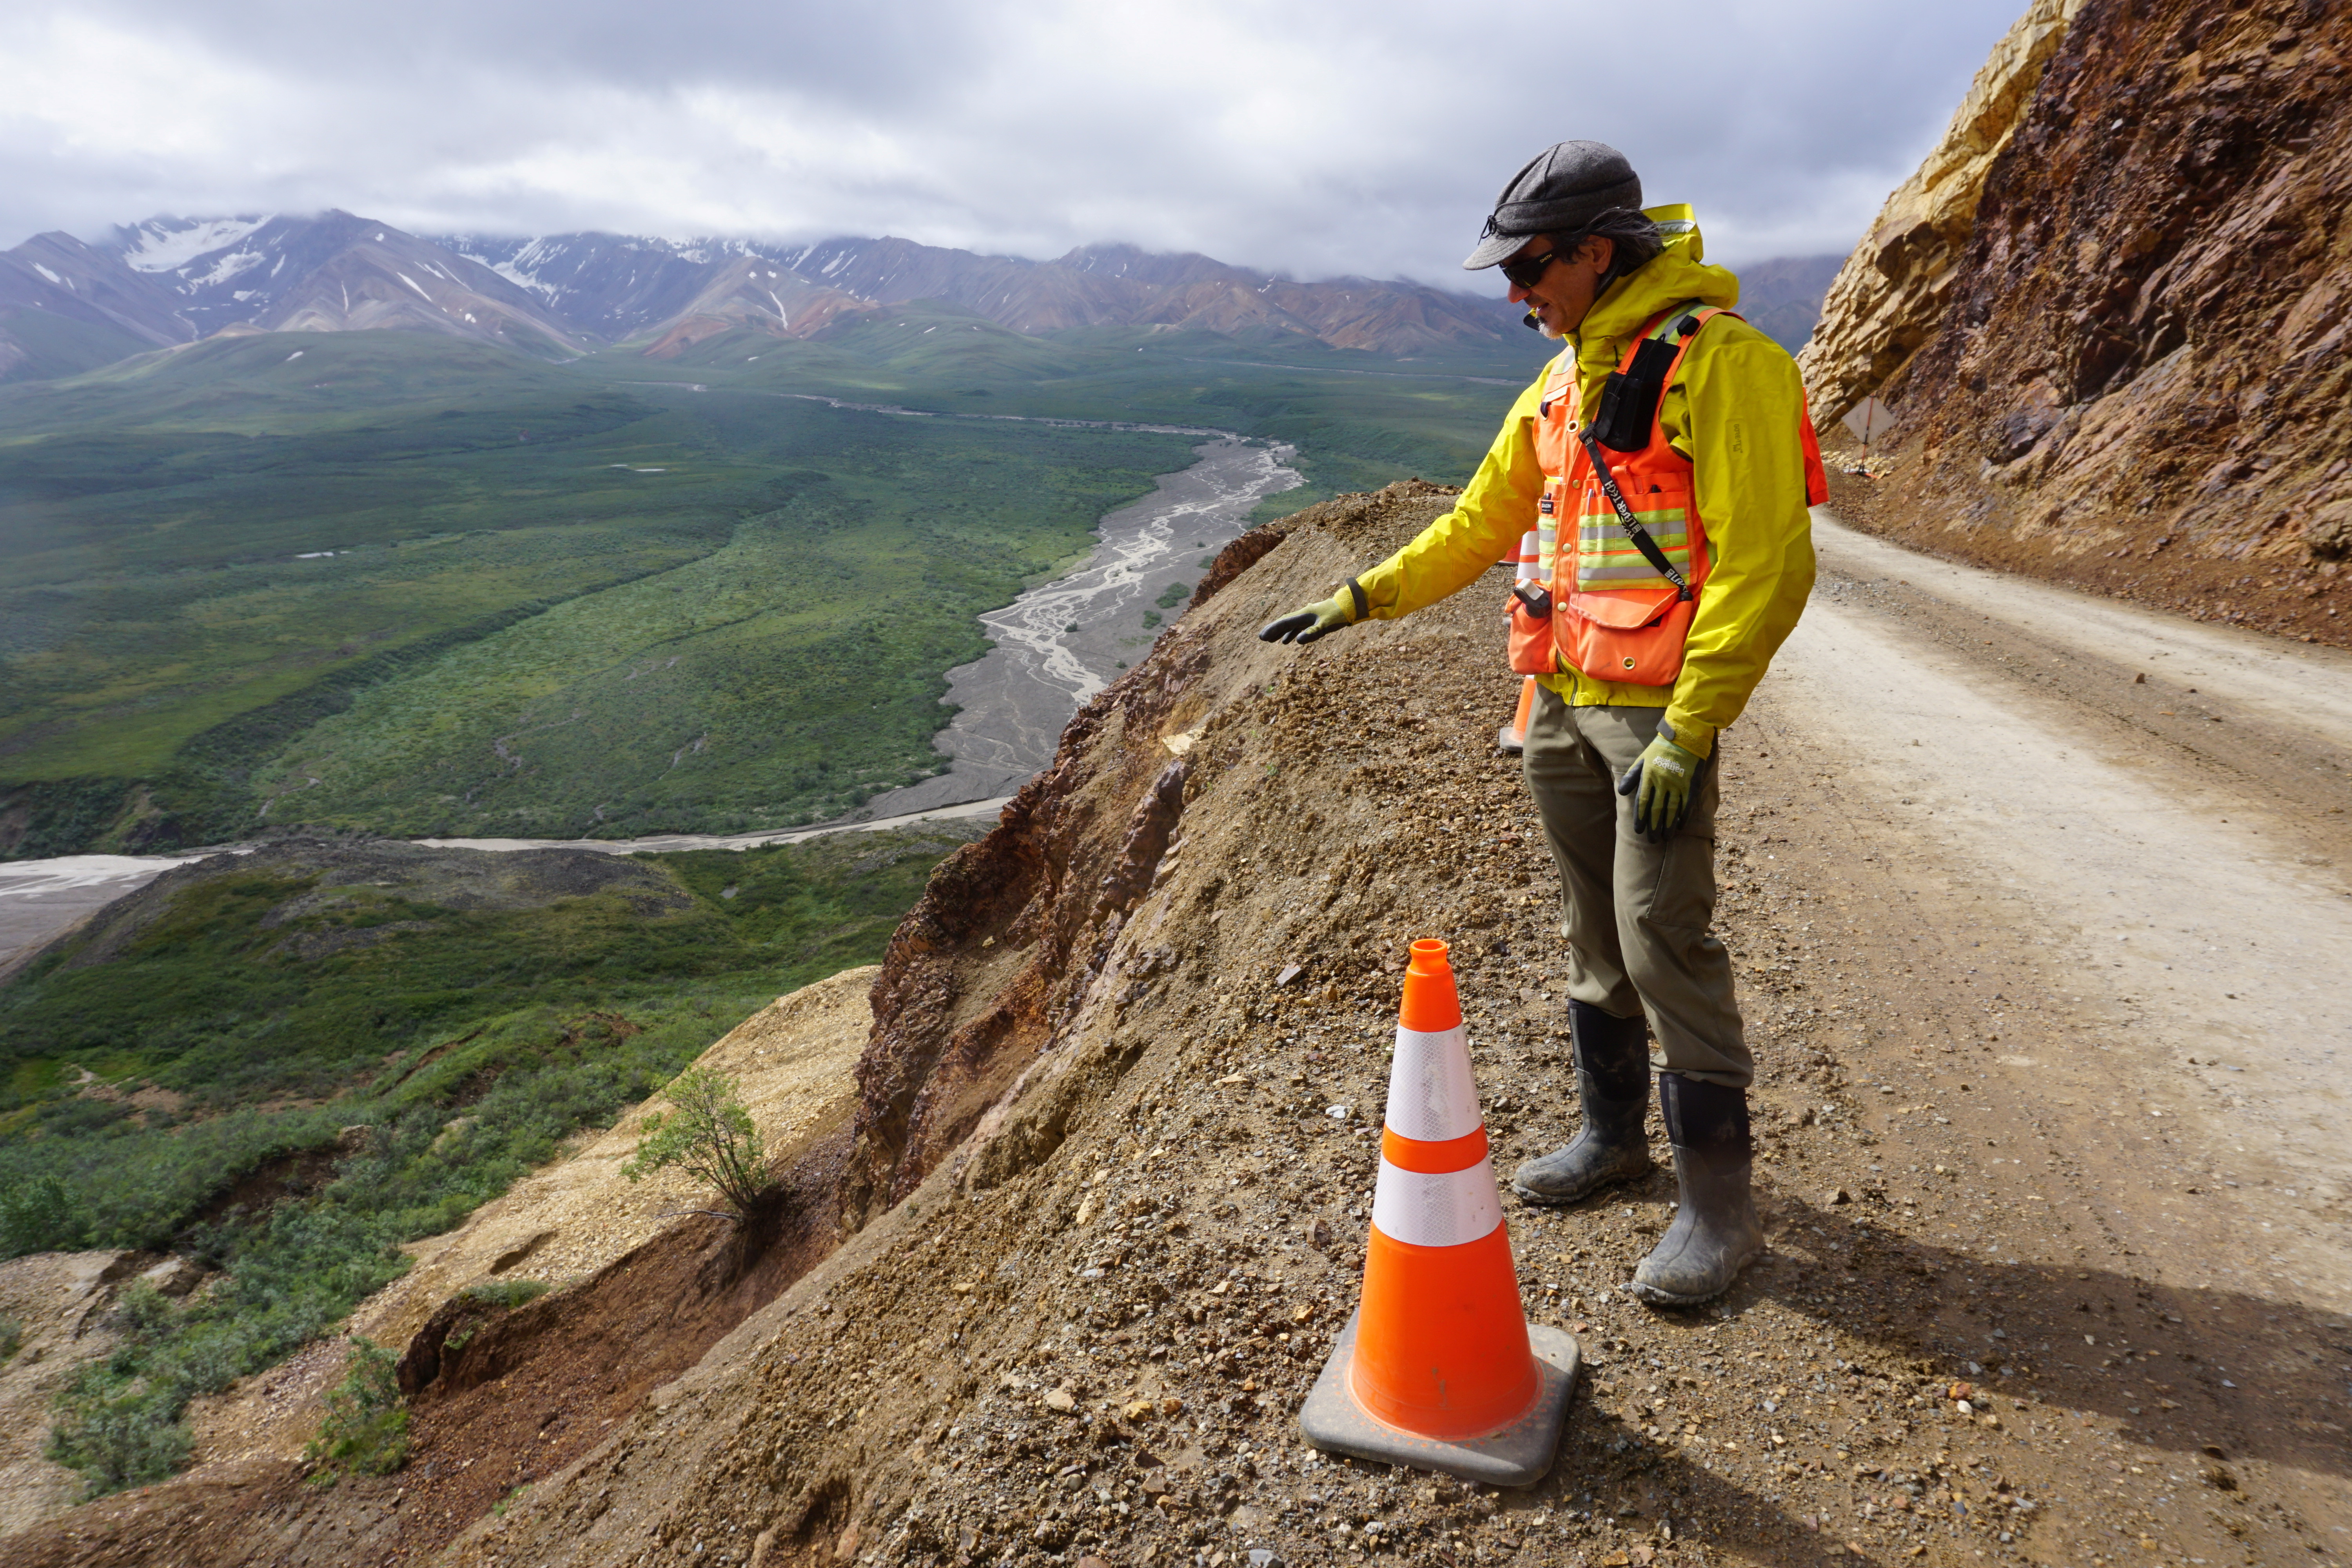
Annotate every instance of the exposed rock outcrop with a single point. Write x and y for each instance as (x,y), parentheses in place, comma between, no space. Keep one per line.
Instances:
(1890,296)
(2132,373)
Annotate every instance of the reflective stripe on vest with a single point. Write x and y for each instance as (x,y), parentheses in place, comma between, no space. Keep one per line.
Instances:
(1607,558)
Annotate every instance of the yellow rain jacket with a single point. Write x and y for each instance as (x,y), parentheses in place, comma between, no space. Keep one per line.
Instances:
(1751,492)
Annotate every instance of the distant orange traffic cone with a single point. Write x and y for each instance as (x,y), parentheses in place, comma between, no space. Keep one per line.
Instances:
(1513,737)
(1439,1368)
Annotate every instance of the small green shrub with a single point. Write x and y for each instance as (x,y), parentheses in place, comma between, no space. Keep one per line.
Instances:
(12,1337)
(36,1216)
(709,1135)
(1173,595)
(125,1439)
(506,1293)
(366,1429)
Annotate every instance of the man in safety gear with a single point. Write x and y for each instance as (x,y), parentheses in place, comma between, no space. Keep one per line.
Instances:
(1665,460)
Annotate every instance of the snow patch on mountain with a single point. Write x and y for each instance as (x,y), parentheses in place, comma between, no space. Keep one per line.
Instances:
(167,243)
(227,267)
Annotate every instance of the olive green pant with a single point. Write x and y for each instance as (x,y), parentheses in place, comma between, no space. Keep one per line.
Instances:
(1638,913)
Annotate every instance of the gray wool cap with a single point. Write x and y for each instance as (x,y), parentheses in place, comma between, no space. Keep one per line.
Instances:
(1562,190)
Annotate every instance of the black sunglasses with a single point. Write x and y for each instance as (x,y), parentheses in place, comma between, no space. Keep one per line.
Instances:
(1526,272)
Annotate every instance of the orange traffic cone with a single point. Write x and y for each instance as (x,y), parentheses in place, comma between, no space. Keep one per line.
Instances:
(1512,737)
(1439,1368)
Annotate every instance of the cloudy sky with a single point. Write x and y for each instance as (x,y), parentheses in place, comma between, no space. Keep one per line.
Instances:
(1317,136)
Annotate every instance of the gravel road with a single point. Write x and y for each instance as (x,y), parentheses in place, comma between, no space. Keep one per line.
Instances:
(2159,807)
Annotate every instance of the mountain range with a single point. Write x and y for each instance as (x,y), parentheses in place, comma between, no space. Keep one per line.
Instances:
(69,305)
(66,304)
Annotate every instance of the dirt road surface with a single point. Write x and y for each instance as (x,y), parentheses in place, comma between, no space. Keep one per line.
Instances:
(2151,813)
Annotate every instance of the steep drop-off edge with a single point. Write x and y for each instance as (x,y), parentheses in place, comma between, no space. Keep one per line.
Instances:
(637,1295)
(2121,363)
(1085,1326)
(991,993)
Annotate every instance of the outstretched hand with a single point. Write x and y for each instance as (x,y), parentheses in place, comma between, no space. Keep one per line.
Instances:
(1318,620)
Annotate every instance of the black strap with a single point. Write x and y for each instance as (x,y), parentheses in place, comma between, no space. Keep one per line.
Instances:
(1629,397)
(1363,605)
(1629,522)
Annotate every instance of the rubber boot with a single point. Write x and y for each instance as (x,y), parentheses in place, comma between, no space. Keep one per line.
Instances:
(1612,1080)
(1715,1232)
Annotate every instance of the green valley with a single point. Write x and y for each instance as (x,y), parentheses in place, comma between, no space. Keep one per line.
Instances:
(394,583)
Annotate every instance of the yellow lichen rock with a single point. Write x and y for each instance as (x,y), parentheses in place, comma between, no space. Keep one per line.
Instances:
(1891,293)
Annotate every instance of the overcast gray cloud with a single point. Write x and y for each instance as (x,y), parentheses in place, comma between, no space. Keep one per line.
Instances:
(1313,136)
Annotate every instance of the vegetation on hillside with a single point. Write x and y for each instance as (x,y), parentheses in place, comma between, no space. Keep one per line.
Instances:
(708,1133)
(404,584)
(285,1066)
(518,600)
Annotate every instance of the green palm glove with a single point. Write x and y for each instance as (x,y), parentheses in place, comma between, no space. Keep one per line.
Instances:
(1343,608)
(1662,781)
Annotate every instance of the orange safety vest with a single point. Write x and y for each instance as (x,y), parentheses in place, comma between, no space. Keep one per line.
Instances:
(1619,611)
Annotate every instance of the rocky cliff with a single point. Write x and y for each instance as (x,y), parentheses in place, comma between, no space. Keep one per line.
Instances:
(1890,295)
(2112,310)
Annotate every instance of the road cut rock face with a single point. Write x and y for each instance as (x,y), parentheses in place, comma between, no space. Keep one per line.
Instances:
(1891,295)
(2113,312)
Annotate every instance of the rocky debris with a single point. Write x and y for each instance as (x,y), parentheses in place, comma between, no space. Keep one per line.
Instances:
(2128,369)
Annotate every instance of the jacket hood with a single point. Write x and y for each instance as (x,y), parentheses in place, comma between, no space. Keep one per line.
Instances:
(1676,275)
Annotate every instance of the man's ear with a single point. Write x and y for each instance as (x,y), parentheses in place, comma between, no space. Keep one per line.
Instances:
(1597,252)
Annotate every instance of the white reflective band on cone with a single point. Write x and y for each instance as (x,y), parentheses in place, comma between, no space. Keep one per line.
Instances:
(1430,1097)
(1436,1211)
